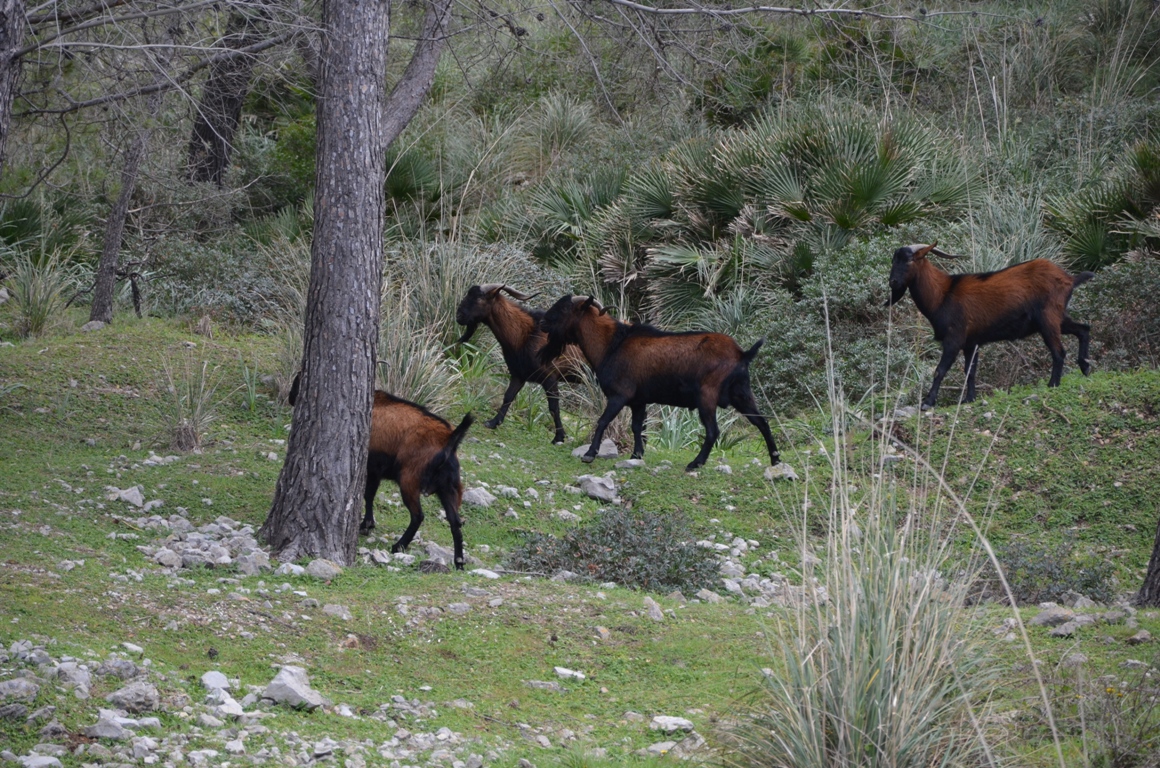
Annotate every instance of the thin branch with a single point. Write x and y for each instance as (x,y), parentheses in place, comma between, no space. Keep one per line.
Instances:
(45,173)
(78,14)
(167,85)
(772,9)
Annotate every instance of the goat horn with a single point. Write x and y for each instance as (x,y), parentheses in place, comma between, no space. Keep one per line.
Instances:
(924,250)
(491,287)
(944,254)
(518,294)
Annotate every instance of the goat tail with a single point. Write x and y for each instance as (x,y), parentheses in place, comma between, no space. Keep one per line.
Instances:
(1081,278)
(457,435)
(747,357)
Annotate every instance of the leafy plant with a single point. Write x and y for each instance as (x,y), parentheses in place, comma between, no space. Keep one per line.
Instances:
(41,289)
(187,403)
(649,550)
(1037,573)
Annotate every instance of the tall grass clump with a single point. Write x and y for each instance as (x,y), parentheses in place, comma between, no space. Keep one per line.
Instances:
(882,666)
(41,288)
(187,403)
(410,356)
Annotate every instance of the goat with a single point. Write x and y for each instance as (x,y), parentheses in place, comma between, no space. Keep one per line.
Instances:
(969,310)
(416,449)
(518,332)
(637,365)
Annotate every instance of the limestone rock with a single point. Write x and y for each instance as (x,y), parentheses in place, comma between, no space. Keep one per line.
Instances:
(607,450)
(781,471)
(478,497)
(670,724)
(291,686)
(599,488)
(1052,617)
(323,569)
(18,688)
(654,610)
(136,697)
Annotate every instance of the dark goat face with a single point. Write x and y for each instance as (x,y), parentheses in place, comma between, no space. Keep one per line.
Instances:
(474,309)
(902,270)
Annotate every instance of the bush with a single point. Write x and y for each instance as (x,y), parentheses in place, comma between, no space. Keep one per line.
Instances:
(1038,572)
(649,550)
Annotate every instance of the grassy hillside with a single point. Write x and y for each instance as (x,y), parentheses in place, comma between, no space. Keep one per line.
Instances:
(79,415)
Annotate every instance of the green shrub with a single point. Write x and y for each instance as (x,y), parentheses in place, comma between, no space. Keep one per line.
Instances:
(1048,572)
(649,550)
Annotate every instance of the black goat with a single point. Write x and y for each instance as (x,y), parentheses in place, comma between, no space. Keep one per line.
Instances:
(416,449)
(969,310)
(637,365)
(518,332)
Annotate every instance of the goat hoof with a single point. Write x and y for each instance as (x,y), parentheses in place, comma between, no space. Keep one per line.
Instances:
(928,406)
(774,459)
(491,424)
(458,565)
(588,458)
(559,439)
(692,467)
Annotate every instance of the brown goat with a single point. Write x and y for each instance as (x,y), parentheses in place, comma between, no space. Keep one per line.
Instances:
(518,332)
(638,364)
(969,310)
(416,449)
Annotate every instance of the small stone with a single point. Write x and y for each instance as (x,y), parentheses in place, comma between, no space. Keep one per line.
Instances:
(1066,629)
(1073,660)
(167,558)
(478,497)
(545,685)
(291,686)
(215,680)
(323,569)
(654,610)
(106,728)
(40,761)
(1141,637)
(568,674)
(725,469)
(661,747)
(485,573)
(603,633)
(336,610)
(708,596)
(18,688)
(599,488)
(92,325)
(780,471)
(630,463)
(607,450)
(15,712)
(1052,617)
(670,724)
(136,697)
(133,648)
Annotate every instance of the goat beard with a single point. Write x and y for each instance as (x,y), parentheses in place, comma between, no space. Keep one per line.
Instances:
(896,295)
(468,333)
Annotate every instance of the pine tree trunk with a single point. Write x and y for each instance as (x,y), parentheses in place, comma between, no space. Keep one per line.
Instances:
(1150,590)
(222,98)
(11,38)
(318,499)
(105,285)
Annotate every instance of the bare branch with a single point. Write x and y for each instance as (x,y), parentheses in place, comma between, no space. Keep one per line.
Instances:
(167,85)
(729,10)
(76,15)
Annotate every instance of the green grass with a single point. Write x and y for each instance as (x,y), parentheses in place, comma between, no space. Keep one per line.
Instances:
(1051,475)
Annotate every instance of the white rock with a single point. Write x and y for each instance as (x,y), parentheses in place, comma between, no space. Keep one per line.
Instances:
(131,495)
(568,674)
(323,569)
(291,686)
(290,569)
(782,471)
(485,573)
(724,469)
(213,680)
(654,610)
(599,488)
(478,497)
(40,761)
(670,724)
(607,449)
(336,610)
(507,492)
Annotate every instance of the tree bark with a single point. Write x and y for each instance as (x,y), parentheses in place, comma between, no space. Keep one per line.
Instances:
(11,37)
(318,497)
(1150,590)
(222,97)
(105,283)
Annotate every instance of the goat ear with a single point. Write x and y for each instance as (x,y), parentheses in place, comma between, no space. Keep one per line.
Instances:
(588,302)
(922,252)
